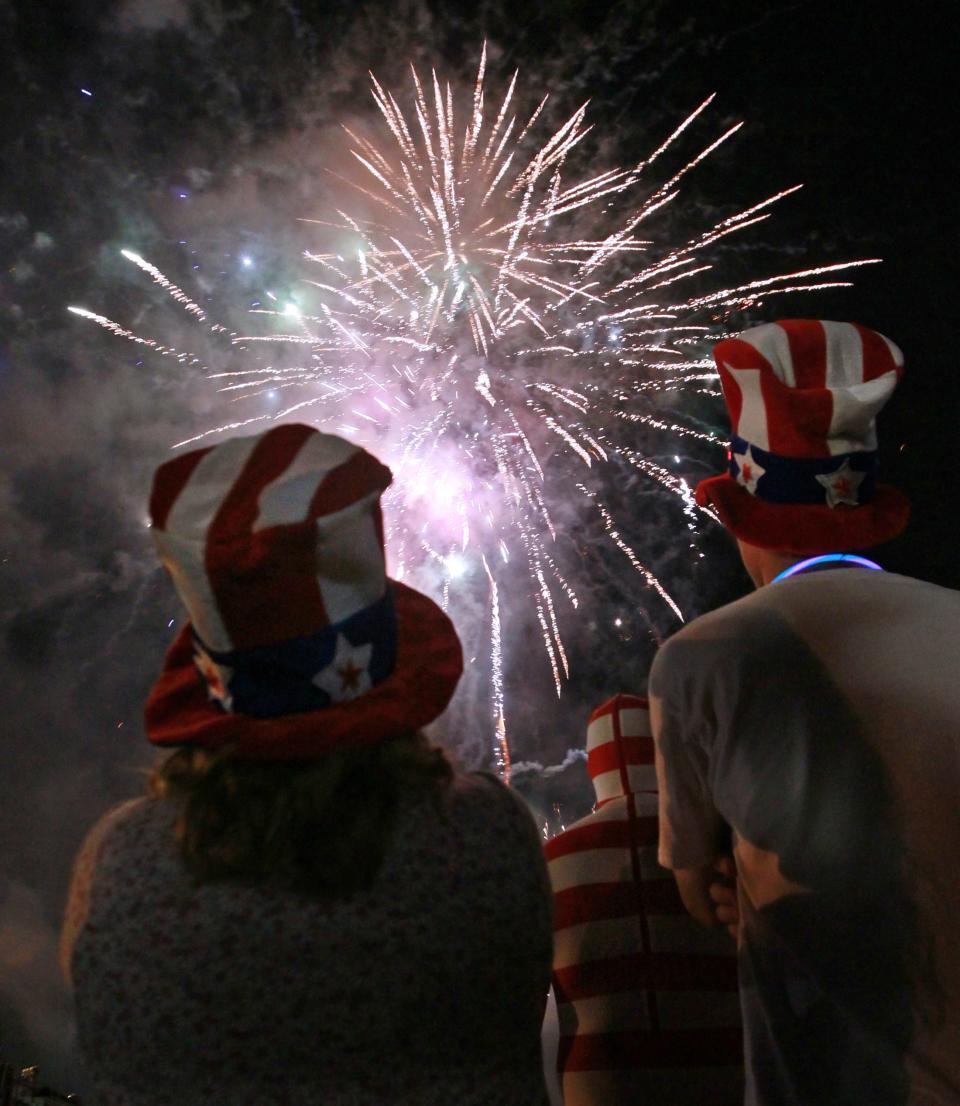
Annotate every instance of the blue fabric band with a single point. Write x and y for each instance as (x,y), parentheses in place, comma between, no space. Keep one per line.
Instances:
(794,479)
(271,680)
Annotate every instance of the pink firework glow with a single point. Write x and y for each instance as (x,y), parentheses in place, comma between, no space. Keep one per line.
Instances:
(505,337)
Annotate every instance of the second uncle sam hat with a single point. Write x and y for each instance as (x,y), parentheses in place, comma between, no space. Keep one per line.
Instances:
(803,396)
(298,643)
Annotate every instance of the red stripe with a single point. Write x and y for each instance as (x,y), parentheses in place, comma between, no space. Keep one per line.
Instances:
(257,607)
(675,1048)
(169,482)
(808,351)
(798,419)
(640,905)
(877,355)
(359,475)
(271,457)
(602,835)
(604,758)
(655,972)
(738,355)
(618,703)
(595,902)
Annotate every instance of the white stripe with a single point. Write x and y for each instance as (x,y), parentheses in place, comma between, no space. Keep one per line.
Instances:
(635,722)
(752,426)
(771,341)
(287,499)
(895,351)
(844,355)
(181,544)
(350,565)
(856,402)
(184,560)
(615,811)
(590,866)
(209,484)
(641,777)
(852,424)
(603,865)
(600,731)
(598,940)
(607,785)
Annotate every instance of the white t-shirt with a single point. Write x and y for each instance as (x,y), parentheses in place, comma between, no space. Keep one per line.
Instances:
(819,718)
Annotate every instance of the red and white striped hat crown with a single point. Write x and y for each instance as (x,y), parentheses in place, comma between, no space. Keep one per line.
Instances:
(803,396)
(620,748)
(297,641)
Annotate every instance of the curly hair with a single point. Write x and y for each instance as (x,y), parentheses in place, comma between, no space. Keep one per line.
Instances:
(319,826)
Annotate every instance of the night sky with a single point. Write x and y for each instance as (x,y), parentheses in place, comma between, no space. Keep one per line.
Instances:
(203,134)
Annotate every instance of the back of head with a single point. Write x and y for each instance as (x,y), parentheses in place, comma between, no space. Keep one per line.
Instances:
(320,826)
(620,748)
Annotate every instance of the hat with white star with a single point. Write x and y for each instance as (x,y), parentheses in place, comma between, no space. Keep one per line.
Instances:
(803,396)
(298,642)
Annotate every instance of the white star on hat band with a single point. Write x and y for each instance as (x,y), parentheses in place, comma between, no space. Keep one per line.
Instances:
(846,479)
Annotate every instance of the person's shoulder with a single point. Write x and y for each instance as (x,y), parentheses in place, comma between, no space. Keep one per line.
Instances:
(127,822)
(479,788)
(485,796)
(948,598)
(711,639)
(479,784)
(120,815)
(606,826)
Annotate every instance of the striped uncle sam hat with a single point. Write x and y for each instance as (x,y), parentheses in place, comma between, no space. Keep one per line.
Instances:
(298,643)
(803,396)
(620,748)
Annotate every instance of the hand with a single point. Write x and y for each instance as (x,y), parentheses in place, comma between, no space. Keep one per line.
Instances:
(709,893)
(723,894)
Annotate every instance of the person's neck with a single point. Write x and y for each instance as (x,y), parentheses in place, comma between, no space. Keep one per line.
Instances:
(765,566)
(773,565)
(762,564)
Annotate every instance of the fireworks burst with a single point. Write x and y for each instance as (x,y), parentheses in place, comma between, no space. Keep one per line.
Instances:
(465,327)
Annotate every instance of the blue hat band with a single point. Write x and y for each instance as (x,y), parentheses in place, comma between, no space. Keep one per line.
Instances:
(339,663)
(847,478)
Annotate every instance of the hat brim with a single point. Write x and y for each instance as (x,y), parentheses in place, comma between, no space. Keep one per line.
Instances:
(805,528)
(428,665)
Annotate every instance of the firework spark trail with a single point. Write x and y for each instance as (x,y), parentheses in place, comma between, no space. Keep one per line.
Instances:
(168,286)
(645,572)
(496,675)
(501,334)
(122,332)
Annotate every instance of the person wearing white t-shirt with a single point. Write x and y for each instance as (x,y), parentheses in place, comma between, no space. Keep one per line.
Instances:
(819,719)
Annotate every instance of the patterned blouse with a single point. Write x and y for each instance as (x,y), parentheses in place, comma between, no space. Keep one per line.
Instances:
(428,987)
